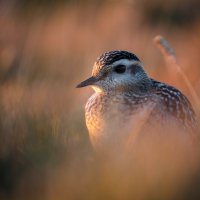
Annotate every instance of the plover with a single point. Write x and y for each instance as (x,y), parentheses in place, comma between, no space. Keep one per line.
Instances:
(126,98)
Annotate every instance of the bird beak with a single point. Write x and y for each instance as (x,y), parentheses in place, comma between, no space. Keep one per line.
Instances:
(89,81)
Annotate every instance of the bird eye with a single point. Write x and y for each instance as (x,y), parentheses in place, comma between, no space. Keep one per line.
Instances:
(120,69)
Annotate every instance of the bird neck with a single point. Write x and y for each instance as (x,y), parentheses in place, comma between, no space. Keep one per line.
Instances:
(140,88)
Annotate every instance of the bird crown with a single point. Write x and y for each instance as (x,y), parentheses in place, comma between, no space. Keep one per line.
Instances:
(110,57)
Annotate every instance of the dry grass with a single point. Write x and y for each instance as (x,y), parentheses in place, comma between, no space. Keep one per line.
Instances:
(44,151)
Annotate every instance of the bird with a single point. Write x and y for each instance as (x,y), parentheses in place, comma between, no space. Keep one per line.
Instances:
(126,98)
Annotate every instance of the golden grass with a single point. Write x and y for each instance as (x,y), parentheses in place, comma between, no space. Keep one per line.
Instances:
(45,151)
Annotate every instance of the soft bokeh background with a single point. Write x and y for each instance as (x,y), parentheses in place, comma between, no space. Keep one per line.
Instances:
(46,48)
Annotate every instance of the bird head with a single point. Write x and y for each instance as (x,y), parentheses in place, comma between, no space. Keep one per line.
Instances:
(118,71)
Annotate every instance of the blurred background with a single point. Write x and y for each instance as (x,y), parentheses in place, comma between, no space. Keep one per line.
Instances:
(46,48)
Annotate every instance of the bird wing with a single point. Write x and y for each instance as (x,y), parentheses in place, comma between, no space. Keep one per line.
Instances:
(175,103)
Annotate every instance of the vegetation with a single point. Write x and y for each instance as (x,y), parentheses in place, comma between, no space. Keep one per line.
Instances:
(45,152)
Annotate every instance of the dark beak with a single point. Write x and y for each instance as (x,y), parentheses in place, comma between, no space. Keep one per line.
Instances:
(89,81)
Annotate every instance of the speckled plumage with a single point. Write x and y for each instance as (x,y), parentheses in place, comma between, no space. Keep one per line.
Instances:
(124,99)
(110,57)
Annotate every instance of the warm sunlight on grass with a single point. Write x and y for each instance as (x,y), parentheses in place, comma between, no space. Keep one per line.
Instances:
(45,50)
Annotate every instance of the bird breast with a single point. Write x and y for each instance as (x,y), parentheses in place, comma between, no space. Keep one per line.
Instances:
(109,119)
